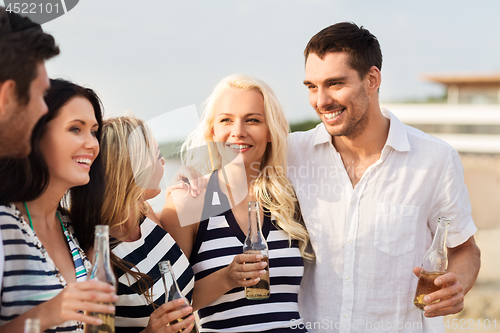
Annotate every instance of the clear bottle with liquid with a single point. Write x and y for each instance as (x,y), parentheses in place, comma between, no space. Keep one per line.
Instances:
(102,271)
(32,325)
(172,290)
(434,264)
(256,244)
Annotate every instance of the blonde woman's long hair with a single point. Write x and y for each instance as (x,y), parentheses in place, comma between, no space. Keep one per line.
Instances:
(271,188)
(128,160)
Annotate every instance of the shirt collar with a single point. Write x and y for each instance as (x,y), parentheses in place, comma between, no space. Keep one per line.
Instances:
(322,135)
(397,138)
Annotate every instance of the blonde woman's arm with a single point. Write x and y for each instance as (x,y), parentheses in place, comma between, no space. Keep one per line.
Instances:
(180,217)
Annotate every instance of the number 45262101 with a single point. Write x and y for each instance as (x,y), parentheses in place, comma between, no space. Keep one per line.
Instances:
(470,324)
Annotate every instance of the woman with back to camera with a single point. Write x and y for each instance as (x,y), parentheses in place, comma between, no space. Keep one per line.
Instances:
(246,132)
(133,170)
(45,267)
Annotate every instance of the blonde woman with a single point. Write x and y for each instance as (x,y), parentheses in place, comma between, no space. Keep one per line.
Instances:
(133,170)
(246,132)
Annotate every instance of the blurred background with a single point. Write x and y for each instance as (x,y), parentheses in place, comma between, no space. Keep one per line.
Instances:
(441,74)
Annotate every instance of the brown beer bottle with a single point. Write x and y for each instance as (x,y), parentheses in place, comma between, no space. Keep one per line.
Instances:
(434,264)
(256,244)
(172,290)
(102,271)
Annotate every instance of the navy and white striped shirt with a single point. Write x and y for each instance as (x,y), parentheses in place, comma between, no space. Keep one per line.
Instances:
(30,275)
(218,240)
(155,245)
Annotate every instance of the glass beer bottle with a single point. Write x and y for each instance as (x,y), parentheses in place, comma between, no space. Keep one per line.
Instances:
(101,271)
(256,244)
(434,264)
(172,290)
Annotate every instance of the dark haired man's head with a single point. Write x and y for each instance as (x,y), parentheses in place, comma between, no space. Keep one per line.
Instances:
(23,80)
(23,45)
(363,47)
(343,75)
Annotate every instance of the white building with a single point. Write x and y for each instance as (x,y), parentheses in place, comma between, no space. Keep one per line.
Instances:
(469,121)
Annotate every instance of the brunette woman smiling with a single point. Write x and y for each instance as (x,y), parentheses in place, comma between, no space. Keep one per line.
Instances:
(45,267)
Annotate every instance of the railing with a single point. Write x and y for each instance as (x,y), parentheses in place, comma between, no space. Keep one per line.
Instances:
(450,116)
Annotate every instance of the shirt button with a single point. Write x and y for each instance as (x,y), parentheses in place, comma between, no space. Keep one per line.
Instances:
(349,241)
(347,278)
(345,316)
(352,204)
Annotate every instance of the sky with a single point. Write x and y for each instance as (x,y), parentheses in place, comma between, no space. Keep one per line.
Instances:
(163,58)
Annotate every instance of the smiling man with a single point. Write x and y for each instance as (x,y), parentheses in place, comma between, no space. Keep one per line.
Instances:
(371,190)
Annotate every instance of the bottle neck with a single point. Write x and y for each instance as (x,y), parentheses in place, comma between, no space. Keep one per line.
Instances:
(102,270)
(170,283)
(439,241)
(254,228)
(101,246)
(255,241)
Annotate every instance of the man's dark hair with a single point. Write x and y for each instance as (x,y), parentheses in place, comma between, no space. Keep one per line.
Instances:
(362,47)
(23,45)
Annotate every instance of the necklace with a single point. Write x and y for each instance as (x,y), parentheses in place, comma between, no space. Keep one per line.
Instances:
(31,222)
(75,252)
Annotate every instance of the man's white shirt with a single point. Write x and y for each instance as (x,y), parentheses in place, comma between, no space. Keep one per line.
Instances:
(368,239)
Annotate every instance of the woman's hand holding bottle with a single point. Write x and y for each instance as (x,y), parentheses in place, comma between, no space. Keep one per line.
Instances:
(162,318)
(245,270)
(77,297)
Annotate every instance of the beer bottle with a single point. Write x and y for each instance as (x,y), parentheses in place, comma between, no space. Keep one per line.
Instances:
(172,290)
(101,271)
(434,264)
(32,325)
(256,244)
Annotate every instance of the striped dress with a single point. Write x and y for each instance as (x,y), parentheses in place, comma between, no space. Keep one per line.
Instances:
(218,240)
(155,245)
(30,276)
